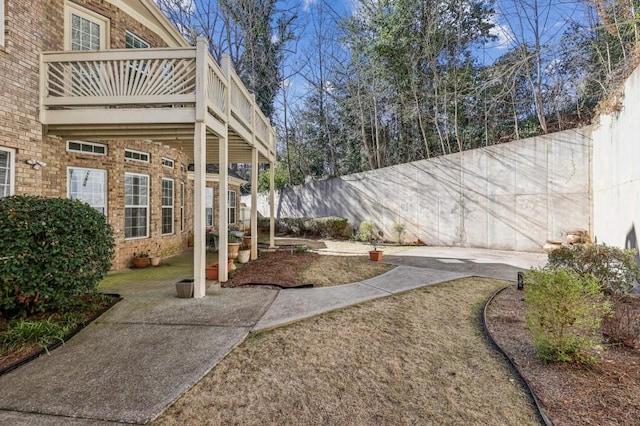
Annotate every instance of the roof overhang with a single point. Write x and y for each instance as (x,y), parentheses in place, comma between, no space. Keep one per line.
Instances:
(212,177)
(148,14)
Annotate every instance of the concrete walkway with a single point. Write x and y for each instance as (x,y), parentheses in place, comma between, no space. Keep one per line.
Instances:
(136,359)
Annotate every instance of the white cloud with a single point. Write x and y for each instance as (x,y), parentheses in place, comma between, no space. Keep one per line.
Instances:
(306,4)
(503,32)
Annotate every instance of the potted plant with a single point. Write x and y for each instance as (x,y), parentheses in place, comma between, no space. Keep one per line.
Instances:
(233,244)
(154,260)
(212,271)
(244,253)
(184,288)
(141,259)
(375,254)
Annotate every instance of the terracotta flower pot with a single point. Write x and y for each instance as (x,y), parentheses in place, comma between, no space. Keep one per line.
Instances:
(140,262)
(375,255)
(212,272)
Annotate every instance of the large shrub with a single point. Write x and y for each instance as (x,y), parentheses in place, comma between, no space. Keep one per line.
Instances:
(326,227)
(615,268)
(53,251)
(365,231)
(564,310)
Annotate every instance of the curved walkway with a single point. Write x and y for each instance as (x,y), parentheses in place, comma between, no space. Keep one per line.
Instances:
(136,359)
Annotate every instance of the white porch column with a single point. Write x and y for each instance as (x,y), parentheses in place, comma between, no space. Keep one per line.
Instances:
(200,182)
(254,203)
(223,203)
(272,205)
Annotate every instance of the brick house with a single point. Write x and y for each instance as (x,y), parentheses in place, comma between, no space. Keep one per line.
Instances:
(105,101)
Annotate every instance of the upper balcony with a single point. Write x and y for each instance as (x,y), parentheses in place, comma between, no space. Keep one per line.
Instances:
(153,94)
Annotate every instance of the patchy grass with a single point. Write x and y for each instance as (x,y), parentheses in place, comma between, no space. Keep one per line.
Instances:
(326,271)
(414,358)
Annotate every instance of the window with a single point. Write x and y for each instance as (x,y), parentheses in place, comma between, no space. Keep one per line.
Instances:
(7,171)
(209,206)
(89,186)
(84,29)
(232,208)
(136,205)
(181,206)
(167,162)
(136,155)
(87,147)
(132,41)
(167,206)
(1,23)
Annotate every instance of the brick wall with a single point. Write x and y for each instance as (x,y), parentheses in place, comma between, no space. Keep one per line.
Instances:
(33,26)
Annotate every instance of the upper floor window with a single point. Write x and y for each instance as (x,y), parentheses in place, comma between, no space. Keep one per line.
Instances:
(84,29)
(132,41)
(7,171)
(87,147)
(136,155)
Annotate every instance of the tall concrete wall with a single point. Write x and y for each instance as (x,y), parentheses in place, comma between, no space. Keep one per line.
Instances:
(616,170)
(511,196)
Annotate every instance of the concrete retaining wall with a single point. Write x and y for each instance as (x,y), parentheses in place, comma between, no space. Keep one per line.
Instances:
(511,196)
(616,170)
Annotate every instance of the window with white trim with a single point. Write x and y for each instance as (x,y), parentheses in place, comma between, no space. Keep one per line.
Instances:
(182,219)
(232,208)
(7,171)
(208,192)
(84,29)
(168,162)
(1,23)
(167,206)
(136,205)
(87,147)
(136,155)
(89,186)
(132,41)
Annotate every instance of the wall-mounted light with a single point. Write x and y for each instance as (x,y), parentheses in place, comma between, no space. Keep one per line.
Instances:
(36,164)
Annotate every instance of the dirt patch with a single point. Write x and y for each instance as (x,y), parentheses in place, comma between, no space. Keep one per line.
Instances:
(414,358)
(288,268)
(607,393)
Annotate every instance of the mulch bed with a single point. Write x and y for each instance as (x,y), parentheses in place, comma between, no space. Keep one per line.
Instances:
(280,269)
(606,393)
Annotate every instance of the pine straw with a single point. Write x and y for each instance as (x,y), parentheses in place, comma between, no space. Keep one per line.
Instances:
(414,358)
(607,393)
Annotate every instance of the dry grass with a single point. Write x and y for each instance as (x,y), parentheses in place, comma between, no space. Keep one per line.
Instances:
(414,358)
(334,270)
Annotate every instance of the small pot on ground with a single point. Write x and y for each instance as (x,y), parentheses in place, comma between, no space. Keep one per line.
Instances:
(154,260)
(140,262)
(243,255)
(212,271)
(184,288)
(375,255)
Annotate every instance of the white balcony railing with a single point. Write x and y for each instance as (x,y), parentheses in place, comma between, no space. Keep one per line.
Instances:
(165,78)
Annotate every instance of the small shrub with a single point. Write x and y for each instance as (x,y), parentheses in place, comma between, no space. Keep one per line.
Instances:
(564,310)
(365,231)
(325,227)
(622,325)
(615,268)
(23,332)
(54,250)
(399,232)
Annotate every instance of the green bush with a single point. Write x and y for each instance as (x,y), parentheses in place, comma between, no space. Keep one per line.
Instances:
(615,268)
(54,251)
(325,227)
(399,232)
(365,231)
(564,310)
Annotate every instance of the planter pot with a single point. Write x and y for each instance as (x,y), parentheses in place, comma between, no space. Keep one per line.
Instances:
(246,241)
(140,262)
(233,249)
(184,288)
(212,272)
(375,255)
(154,260)
(550,246)
(243,256)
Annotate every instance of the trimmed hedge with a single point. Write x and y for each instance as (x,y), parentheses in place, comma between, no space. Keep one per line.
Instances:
(325,227)
(53,251)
